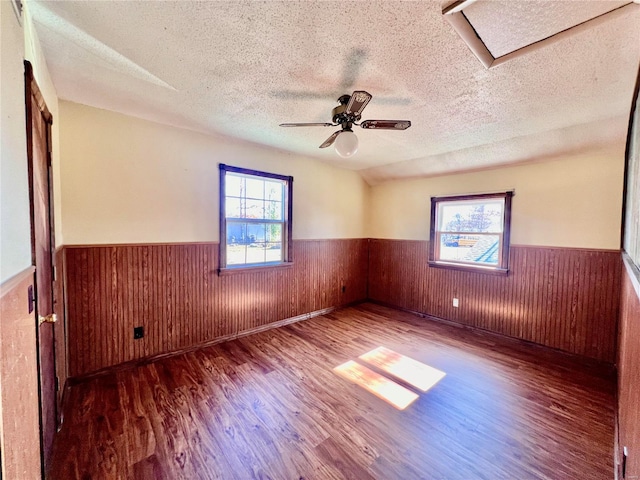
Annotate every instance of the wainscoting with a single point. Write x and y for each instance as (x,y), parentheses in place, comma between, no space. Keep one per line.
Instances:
(175,293)
(558,297)
(19,380)
(562,298)
(629,373)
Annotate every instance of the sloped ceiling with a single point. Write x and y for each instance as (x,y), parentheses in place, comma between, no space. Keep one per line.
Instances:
(240,68)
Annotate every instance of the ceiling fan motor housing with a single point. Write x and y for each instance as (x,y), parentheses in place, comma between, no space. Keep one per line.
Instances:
(340,116)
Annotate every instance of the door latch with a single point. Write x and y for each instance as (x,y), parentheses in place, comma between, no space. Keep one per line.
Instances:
(51,318)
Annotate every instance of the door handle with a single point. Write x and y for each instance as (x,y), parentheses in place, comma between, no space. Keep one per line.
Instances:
(51,318)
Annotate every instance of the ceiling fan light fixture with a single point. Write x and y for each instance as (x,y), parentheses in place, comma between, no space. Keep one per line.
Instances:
(346,144)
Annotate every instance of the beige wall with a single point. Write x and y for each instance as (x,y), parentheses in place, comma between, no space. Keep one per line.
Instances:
(20,42)
(127,180)
(33,53)
(15,229)
(572,201)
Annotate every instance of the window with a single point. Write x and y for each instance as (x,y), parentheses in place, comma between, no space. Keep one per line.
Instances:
(255,218)
(471,232)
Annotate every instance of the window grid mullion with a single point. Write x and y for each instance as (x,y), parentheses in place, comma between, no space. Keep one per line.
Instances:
(454,232)
(253,220)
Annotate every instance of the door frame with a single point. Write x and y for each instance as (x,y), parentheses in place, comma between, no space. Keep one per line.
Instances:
(32,91)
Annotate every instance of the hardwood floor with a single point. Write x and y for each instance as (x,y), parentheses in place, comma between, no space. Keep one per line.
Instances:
(270,406)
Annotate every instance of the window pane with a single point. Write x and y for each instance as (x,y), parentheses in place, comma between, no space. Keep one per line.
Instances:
(232,206)
(256,232)
(255,188)
(233,185)
(256,253)
(273,191)
(483,249)
(236,233)
(274,232)
(274,252)
(273,210)
(236,254)
(254,209)
(471,216)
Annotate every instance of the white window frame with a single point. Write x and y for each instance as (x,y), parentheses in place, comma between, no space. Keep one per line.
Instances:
(436,233)
(286,222)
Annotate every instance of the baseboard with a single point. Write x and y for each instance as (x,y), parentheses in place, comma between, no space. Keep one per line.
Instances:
(71,381)
(604,368)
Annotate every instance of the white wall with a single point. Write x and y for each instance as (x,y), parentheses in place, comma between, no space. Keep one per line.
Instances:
(127,180)
(33,53)
(571,201)
(20,42)
(15,228)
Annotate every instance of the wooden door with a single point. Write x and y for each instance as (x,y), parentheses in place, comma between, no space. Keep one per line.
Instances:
(39,159)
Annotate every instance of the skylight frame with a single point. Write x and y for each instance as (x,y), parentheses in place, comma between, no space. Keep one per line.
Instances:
(454,14)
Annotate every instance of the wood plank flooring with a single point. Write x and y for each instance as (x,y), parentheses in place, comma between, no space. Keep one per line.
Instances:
(270,406)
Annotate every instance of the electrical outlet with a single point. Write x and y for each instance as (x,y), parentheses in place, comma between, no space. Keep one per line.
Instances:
(138,332)
(456,302)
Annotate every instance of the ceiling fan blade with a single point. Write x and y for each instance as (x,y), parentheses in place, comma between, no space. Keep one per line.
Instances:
(352,67)
(386,124)
(359,99)
(302,95)
(308,125)
(329,141)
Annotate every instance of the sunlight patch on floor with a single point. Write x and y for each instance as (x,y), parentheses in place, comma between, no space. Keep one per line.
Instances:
(412,372)
(383,388)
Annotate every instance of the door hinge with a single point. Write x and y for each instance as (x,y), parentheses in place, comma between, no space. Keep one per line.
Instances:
(31,299)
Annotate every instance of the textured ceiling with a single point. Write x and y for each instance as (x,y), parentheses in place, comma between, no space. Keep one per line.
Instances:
(505,26)
(240,68)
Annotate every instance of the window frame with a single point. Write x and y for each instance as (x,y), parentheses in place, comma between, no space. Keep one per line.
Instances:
(505,237)
(287,228)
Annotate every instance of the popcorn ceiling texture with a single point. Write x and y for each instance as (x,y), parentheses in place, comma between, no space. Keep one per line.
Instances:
(240,68)
(506,26)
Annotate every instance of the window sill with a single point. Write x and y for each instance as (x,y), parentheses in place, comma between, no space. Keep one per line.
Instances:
(470,268)
(253,268)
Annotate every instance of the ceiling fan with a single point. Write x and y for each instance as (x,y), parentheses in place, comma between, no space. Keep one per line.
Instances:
(347,114)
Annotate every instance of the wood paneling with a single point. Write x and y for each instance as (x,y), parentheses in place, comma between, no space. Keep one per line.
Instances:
(19,380)
(558,297)
(629,373)
(175,293)
(270,406)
